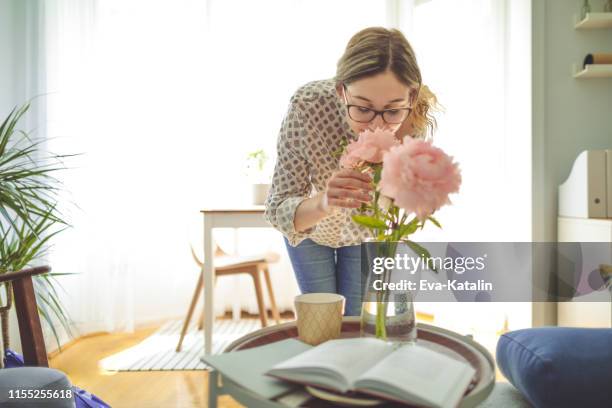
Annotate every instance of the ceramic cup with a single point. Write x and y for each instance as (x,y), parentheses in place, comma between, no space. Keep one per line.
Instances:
(319,316)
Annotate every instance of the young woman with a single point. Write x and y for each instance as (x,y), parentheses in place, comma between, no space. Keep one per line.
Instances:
(377,84)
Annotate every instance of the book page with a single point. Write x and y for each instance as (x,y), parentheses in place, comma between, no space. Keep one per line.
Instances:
(347,357)
(416,373)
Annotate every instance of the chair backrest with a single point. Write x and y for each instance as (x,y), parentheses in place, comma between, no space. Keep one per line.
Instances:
(217,252)
(30,330)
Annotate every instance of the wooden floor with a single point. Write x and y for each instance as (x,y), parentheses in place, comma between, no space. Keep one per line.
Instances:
(181,389)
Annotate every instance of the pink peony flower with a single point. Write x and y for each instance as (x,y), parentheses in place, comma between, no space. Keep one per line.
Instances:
(419,177)
(369,147)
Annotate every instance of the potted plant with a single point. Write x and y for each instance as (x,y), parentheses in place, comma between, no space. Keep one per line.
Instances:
(257,172)
(29,218)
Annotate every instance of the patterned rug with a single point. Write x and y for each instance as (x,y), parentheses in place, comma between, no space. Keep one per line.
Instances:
(158,351)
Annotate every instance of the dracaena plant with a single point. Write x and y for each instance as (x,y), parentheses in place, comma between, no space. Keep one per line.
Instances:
(29,216)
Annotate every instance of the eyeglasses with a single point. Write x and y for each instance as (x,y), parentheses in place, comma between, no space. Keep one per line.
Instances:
(362,114)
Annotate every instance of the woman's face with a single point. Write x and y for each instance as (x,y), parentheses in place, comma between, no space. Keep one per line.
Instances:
(380,92)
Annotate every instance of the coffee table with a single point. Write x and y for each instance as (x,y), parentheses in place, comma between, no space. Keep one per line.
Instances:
(453,344)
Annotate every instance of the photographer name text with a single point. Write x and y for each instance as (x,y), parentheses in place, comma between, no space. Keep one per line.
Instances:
(426,285)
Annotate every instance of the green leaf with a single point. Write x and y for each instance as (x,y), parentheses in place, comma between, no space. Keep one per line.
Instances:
(370,222)
(409,228)
(421,251)
(49,295)
(382,236)
(43,311)
(432,219)
(377,173)
(60,274)
(340,150)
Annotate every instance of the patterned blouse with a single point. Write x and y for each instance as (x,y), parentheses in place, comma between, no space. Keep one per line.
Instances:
(314,127)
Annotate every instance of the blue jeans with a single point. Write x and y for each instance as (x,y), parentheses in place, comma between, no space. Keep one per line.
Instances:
(319,268)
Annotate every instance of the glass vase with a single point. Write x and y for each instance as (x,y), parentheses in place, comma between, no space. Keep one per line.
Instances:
(386,314)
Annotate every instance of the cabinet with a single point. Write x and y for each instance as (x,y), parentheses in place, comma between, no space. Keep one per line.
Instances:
(584,314)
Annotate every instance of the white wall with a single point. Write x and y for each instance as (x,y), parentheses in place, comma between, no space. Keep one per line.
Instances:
(8,82)
(7,51)
(21,79)
(21,65)
(569,115)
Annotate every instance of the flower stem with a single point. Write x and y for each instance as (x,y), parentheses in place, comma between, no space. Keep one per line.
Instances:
(382,297)
(381,329)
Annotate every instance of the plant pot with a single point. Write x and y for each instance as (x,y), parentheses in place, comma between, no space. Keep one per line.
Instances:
(260,193)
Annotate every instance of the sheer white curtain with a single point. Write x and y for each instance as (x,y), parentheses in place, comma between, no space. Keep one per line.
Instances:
(475,56)
(165,99)
(263,51)
(127,84)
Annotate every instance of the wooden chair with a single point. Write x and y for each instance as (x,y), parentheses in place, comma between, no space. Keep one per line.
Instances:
(30,330)
(36,375)
(226,265)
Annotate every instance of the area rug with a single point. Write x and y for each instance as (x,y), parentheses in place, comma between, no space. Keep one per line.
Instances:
(158,351)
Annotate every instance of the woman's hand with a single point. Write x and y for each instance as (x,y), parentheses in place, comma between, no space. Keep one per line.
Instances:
(346,188)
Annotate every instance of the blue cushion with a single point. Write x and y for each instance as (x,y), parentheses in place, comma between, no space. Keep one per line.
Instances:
(559,366)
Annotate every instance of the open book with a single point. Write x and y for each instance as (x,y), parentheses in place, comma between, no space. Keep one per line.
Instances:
(410,374)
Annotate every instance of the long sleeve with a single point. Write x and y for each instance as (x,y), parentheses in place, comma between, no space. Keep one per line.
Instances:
(291,182)
(314,127)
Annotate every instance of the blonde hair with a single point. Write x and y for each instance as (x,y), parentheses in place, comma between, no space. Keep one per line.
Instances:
(422,120)
(376,49)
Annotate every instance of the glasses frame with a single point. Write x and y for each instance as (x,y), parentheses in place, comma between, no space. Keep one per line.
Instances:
(376,112)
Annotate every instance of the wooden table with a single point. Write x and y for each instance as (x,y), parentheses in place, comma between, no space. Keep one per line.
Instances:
(245,217)
(455,345)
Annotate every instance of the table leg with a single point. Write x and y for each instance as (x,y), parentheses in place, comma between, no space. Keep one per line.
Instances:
(209,281)
(213,388)
(236,309)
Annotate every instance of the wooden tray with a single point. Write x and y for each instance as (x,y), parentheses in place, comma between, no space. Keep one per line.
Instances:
(445,341)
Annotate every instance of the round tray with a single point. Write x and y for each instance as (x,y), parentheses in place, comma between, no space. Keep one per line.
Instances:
(445,341)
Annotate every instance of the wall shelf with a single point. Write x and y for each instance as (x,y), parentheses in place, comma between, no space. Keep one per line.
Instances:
(593,71)
(593,21)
